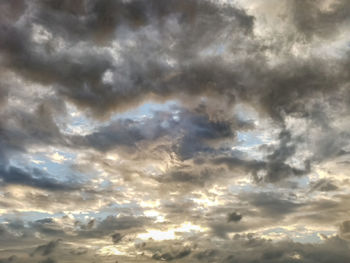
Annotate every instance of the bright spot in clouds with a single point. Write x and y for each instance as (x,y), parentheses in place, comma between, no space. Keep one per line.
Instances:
(172,233)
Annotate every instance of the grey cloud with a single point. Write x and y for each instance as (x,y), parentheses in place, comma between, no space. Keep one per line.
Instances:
(31,233)
(120,223)
(206,254)
(46,249)
(179,209)
(48,260)
(312,19)
(111,224)
(221,230)
(79,251)
(11,10)
(249,249)
(184,179)
(12,258)
(276,164)
(252,249)
(80,79)
(108,56)
(267,171)
(191,132)
(49,227)
(274,168)
(116,238)
(271,204)
(196,77)
(169,250)
(20,129)
(323,185)
(344,230)
(324,211)
(169,256)
(234,217)
(34,178)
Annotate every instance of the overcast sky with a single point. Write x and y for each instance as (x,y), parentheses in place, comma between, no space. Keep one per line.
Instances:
(175,130)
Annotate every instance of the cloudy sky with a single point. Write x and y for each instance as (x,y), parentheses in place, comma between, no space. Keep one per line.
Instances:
(175,130)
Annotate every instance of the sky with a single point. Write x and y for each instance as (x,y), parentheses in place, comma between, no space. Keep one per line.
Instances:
(174,130)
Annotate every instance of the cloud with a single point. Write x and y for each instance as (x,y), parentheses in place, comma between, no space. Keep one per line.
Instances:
(46,249)
(323,185)
(169,256)
(234,217)
(314,18)
(271,204)
(80,80)
(192,132)
(224,124)
(35,178)
(48,260)
(116,238)
(345,229)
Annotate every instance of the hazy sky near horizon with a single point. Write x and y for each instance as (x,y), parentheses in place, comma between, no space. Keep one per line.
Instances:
(175,130)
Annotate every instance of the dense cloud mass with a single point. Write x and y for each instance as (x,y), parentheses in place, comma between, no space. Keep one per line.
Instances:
(174,130)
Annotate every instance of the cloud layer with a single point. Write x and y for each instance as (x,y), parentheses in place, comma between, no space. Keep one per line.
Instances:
(174,130)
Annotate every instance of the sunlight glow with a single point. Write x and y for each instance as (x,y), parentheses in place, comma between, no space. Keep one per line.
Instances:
(170,234)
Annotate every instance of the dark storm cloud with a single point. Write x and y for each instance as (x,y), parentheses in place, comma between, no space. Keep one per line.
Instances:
(80,79)
(102,18)
(79,75)
(181,31)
